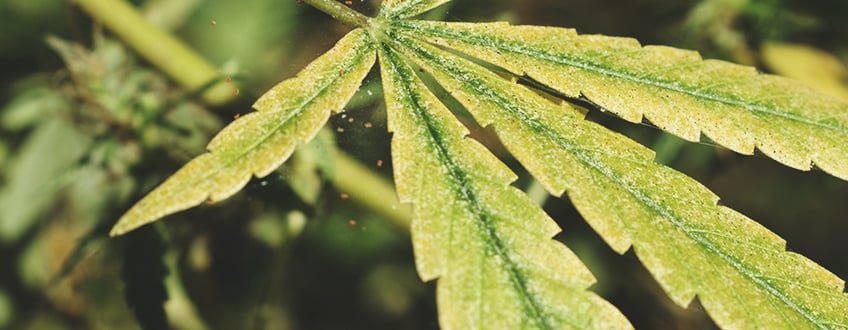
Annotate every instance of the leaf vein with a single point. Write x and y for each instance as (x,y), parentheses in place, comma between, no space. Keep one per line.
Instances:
(485,225)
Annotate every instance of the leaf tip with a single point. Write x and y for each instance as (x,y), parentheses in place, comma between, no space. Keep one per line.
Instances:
(132,220)
(120,228)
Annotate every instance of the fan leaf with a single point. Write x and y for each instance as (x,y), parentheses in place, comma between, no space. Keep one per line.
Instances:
(486,241)
(407,8)
(739,270)
(674,89)
(255,144)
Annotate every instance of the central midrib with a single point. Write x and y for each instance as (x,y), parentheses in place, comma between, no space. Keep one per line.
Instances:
(460,186)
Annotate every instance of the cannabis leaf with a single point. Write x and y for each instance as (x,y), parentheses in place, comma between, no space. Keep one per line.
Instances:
(691,245)
(485,241)
(259,142)
(672,88)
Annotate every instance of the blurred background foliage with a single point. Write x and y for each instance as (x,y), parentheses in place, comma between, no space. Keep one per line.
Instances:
(87,127)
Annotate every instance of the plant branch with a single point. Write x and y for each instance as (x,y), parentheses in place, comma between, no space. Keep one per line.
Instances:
(163,50)
(369,189)
(340,12)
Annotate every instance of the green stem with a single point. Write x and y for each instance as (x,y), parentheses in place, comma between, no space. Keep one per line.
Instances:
(163,50)
(340,12)
(369,189)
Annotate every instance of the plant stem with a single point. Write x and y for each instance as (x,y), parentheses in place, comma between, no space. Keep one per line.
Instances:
(340,12)
(163,50)
(369,189)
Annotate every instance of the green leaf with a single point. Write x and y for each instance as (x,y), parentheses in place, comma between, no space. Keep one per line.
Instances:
(407,8)
(35,104)
(486,241)
(739,270)
(38,173)
(257,143)
(674,89)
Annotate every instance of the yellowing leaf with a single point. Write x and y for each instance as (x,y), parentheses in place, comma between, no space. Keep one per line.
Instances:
(740,271)
(259,142)
(486,241)
(674,89)
(407,8)
(816,68)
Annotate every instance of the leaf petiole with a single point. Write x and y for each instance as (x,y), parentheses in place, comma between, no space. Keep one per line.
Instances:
(340,12)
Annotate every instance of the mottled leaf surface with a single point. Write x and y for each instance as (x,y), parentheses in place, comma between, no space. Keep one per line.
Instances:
(486,241)
(407,8)
(291,112)
(674,89)
(739,270)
